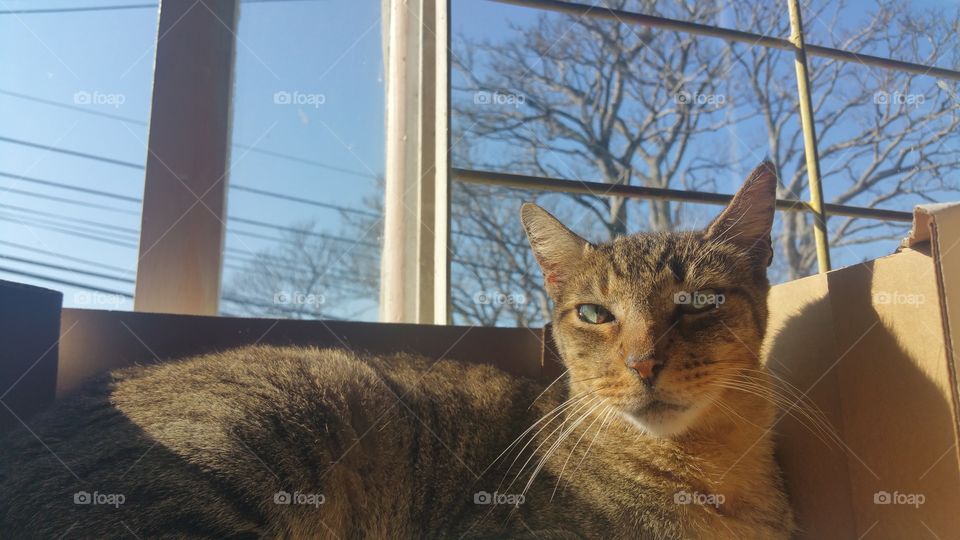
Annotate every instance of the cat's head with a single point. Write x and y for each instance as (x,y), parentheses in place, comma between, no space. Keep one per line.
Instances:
(654,323)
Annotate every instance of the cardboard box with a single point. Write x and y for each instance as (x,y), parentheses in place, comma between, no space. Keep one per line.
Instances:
(871,346)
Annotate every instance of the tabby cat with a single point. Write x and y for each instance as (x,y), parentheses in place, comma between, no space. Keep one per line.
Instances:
(655,430)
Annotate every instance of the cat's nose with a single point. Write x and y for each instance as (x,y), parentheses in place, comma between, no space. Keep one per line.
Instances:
(645,365)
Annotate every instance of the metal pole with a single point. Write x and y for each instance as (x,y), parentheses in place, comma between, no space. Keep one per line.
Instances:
(809,139)
(629,17)
(585,187)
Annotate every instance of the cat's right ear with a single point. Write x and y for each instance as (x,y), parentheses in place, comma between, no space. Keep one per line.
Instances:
(556,248)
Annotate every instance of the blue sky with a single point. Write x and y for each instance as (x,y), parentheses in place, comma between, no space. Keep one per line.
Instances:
(97,67)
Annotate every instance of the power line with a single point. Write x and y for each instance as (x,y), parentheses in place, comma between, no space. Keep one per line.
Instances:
(85,204)
(73,231)
(75,9)
(71,152)
(67,257)
(70,187)
(126,230)
(311,202)
(114,292)
(82,9)
(59,281)
(281,155)
(302,231)
(66,269)
(265,193)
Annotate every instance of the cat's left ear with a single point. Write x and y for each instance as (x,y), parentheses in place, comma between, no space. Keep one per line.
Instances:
(748,220)
(557,249)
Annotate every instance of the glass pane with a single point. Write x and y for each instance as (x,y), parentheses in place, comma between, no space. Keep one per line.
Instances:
(306,187)
(495,280)
(575,98)
(887,140)
(919,31)
(75,92)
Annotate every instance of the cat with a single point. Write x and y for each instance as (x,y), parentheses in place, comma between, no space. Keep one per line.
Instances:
(655,430)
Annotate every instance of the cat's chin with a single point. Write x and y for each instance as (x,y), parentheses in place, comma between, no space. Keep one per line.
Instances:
(660,419)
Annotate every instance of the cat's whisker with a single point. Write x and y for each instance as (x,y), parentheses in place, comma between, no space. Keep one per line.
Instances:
(556,445)
(572,450)
(607,413)
(549,417)
(791,398)
(540,395)
(794,408)
(728,410)
(577,407)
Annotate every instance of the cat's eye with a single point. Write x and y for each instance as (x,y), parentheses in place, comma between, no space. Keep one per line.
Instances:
(700,301)
(594,314)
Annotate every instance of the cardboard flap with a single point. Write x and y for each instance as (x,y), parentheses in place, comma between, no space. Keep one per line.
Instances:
(923,218)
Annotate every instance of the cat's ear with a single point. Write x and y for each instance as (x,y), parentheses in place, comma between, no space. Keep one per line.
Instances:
(748,220)
(556,248)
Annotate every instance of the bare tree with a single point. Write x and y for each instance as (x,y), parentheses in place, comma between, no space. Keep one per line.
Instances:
(581,98)
(307,275)
(886,138)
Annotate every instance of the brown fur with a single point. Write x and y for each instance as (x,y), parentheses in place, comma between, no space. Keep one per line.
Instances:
(399,446)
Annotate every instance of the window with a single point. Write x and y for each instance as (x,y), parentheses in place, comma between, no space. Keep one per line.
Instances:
(75,92)
(621,121)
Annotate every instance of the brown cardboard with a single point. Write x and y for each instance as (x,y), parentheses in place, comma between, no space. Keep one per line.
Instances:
(873,346)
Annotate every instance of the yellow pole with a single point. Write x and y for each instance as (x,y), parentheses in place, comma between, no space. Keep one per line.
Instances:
(809,139)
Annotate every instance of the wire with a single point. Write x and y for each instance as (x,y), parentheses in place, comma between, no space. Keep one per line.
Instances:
(66,269)
(154,5)
(85,204)
(127,119)
(71,152)
(311,202)
(70,187)
(67,257)
(66,282)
